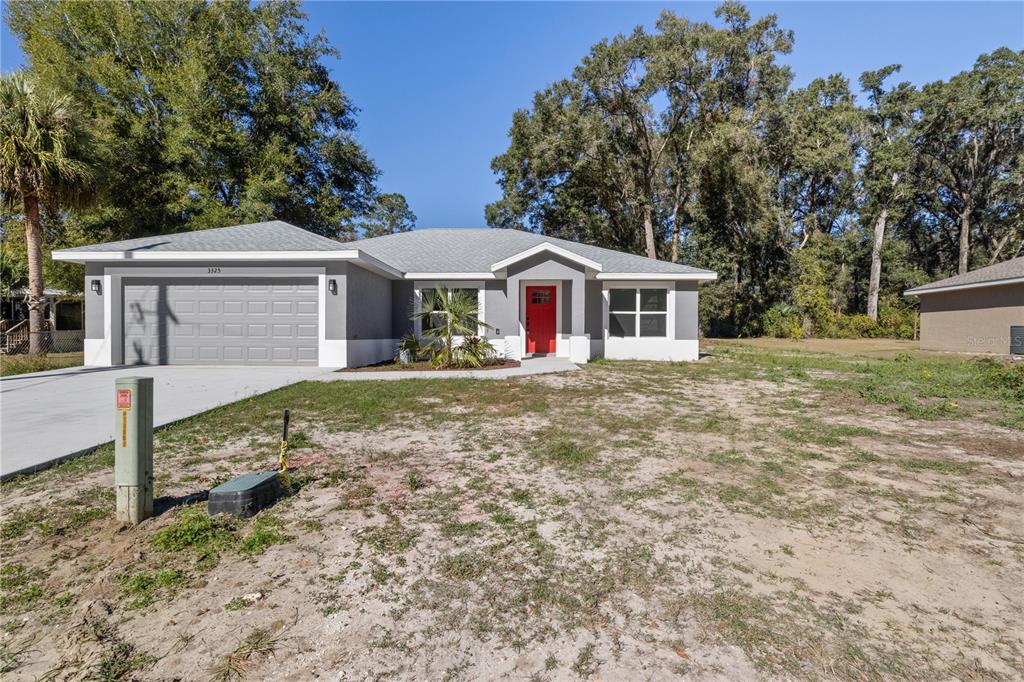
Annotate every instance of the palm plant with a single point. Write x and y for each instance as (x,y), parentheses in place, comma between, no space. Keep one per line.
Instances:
(41,164)
(445,315)
(474,351)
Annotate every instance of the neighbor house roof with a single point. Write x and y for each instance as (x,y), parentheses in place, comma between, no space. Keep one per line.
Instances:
(1008,272)
(419,254)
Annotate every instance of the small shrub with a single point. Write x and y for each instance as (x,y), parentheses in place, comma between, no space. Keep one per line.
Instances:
(1002,375)
(782,321)
(474,351)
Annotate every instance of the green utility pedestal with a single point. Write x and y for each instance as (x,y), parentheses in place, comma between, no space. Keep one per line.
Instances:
(133,448)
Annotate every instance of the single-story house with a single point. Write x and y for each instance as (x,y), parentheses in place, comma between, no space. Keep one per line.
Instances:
(981,311)
(61,309)
(272,293)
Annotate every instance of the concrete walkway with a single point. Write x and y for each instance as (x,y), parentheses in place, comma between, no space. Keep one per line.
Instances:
(528,367)
(46,417)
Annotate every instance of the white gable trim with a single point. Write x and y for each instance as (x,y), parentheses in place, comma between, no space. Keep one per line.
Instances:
(958,287)
(661,276)
(549,248)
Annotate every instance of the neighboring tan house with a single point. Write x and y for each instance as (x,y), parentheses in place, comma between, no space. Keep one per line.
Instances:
(272,293)
(981,311)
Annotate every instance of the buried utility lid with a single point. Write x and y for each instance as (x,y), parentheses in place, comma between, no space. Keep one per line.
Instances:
(245,495)
(244,482)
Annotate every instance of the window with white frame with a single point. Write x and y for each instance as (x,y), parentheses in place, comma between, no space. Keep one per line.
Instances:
(433,321)
(637,312)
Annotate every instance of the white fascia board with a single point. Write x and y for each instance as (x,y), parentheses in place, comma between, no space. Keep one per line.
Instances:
(185,256)
(667,276)
(359,257)
(450,275)
(547,248)
(368,262)
(959,287)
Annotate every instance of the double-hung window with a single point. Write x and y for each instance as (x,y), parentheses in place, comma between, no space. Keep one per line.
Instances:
(637,313)
(427,294)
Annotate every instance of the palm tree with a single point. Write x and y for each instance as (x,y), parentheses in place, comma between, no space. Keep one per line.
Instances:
(445,315)
(42,164)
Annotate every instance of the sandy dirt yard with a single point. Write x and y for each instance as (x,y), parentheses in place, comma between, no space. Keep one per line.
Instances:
(760,514)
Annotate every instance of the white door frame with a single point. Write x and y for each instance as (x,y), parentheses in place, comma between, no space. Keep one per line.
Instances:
(561,347)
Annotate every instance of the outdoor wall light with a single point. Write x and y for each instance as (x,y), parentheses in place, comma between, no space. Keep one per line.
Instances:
(332,286)
(96,287)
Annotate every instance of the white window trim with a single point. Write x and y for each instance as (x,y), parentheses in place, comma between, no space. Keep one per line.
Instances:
(561,345)
(670,312)
(420,285)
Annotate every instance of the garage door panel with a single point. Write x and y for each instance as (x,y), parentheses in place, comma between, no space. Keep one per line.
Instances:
(261,324)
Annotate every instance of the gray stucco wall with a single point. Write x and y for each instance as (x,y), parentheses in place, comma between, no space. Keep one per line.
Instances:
(93,302)
(368,309)
(547,267)
(498,312)
(544,266)
(594,322)
(686,310)
(334,304)
(402,293)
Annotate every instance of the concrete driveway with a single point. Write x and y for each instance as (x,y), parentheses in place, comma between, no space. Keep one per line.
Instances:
(49,416)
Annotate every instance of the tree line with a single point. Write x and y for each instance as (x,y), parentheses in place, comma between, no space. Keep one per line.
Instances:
(816,207)
(685,143)
(150,117)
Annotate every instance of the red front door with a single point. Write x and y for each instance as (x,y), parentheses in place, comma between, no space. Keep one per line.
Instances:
(540,319)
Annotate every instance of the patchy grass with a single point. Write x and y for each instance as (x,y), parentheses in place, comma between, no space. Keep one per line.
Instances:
(20,587)
(258,642)
(565,526)
(11,365)
(143,588)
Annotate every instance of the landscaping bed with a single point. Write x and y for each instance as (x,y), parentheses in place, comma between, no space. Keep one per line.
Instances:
(426,366)
(760,514)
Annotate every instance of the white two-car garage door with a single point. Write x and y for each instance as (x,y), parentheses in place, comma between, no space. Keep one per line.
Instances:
(252,321)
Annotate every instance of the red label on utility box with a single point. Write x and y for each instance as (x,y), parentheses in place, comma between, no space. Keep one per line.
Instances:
(124,399)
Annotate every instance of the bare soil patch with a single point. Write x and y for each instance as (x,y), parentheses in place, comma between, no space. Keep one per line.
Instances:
(725,520)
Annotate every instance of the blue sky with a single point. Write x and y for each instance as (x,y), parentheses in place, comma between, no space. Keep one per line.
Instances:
(437,83)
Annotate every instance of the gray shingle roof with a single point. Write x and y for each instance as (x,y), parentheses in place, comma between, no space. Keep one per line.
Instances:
(439,250)
(476,249)
(1007,270)
(274,235)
